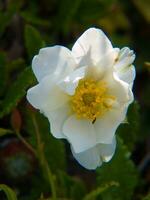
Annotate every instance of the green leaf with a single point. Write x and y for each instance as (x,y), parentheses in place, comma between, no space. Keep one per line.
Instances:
(65,21)
(77,190)
(14,6)
(143,6)
(15,65)
(16,91)
(32,18)
(92,11)
(121,170)
(92,195)
(33,41)
(5,19)
(147,197)
(5,131)
(129,131)
(2,72)
(9,192)
(71,187)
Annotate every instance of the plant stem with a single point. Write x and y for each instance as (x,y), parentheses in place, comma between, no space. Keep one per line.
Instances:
(42,159)
(25,143)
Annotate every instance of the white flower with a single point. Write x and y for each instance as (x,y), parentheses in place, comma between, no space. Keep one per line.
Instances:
(85,94)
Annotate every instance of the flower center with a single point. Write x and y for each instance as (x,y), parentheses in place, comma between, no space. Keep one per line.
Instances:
(91,100)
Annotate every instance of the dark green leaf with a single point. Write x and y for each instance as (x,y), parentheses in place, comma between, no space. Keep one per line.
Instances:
(18,64)
(2,72)
(65,21)
(71,187)
(16,91)
(33,41)
(92,195)
(144,7)
(31,18)
(121,170)
(92,11)
(129,130)
(6,17)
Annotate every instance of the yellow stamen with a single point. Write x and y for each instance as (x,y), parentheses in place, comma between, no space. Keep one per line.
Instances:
(91,99)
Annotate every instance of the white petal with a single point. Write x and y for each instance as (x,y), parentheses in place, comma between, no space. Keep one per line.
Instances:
(104,65)
(93,157)
(127,55)
(70,83)
(34,97)
(105,127)
(97,72)
(123,67)
(91,45)
(107,150)
(90,159)
(127,75)
(80,133)
(56,60)
(57,118)
(119,89)
(46,95)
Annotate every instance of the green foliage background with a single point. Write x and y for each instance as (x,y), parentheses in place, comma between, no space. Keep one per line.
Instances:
(33,164)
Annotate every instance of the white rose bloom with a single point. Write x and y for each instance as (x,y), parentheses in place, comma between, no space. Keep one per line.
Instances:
(85,94)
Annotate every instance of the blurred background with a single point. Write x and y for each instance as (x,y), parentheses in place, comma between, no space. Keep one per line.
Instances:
(29,155)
